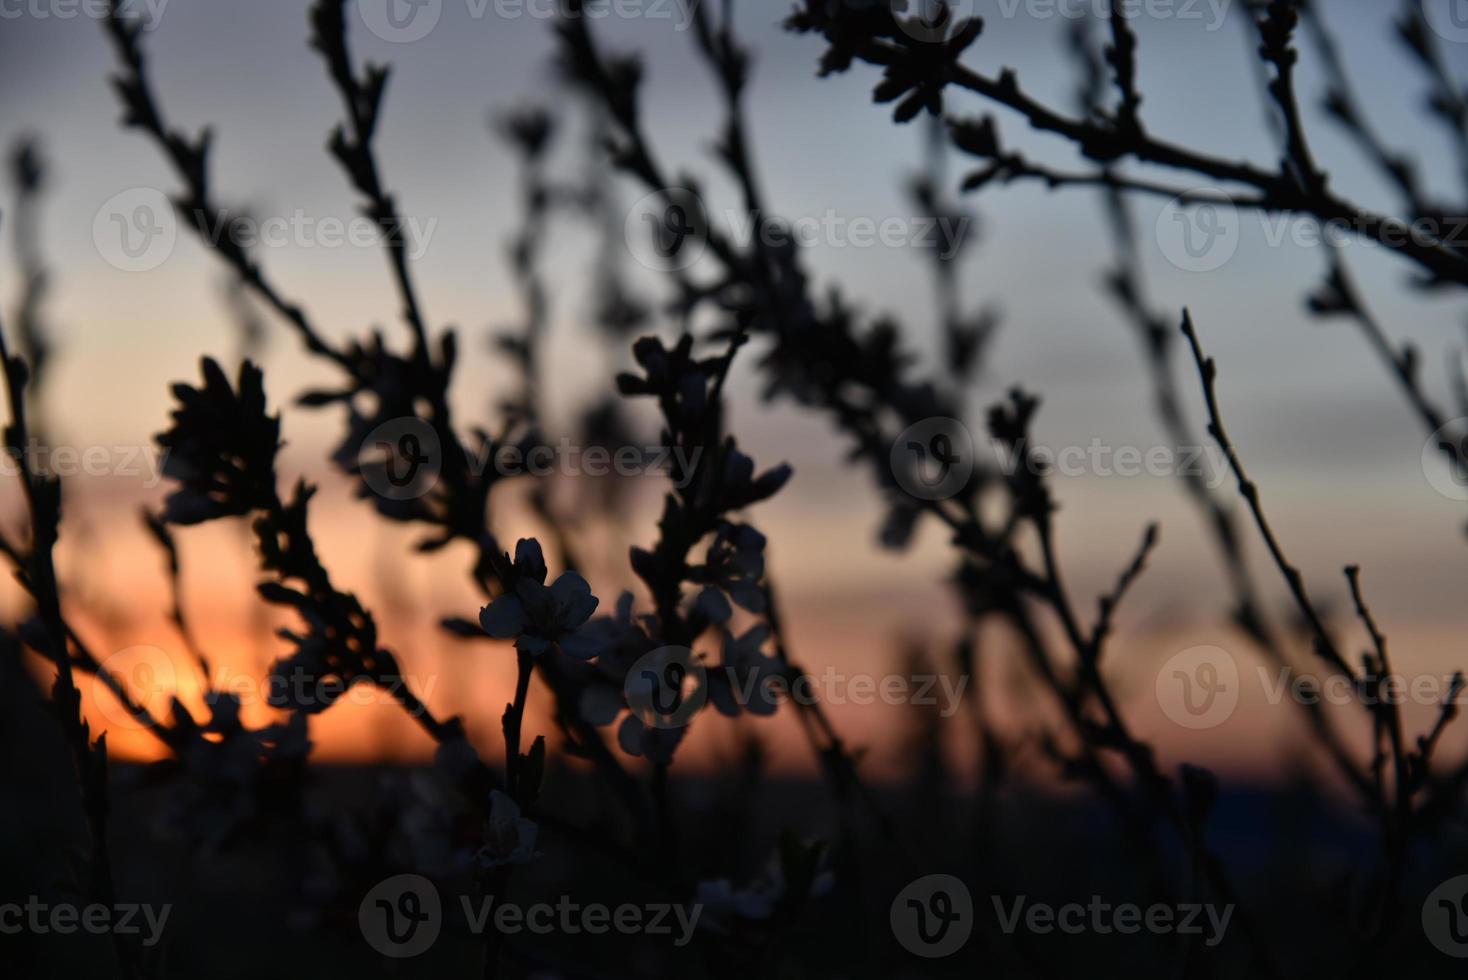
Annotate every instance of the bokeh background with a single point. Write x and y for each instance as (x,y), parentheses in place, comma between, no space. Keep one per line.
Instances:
(1327,436)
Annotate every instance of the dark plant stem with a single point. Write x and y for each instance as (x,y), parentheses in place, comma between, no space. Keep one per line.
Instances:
(514,719)
(1410,769)
(38,571)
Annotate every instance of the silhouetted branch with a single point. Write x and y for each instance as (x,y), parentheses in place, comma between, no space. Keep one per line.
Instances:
(917,74)
(811,343)
(352,147)
(36,568)
(1324,644)
(1372,687)
(190,160)
(161,534)
(1446,100)
(1107,603)
(34,341)
(1342,103)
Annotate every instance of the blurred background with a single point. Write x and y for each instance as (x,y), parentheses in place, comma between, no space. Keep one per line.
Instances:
(1331,442)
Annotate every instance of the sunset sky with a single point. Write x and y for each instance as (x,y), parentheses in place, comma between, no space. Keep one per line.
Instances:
(1331,442)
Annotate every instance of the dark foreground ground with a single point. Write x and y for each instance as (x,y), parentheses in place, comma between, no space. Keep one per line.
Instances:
(287,904)
(297,874)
